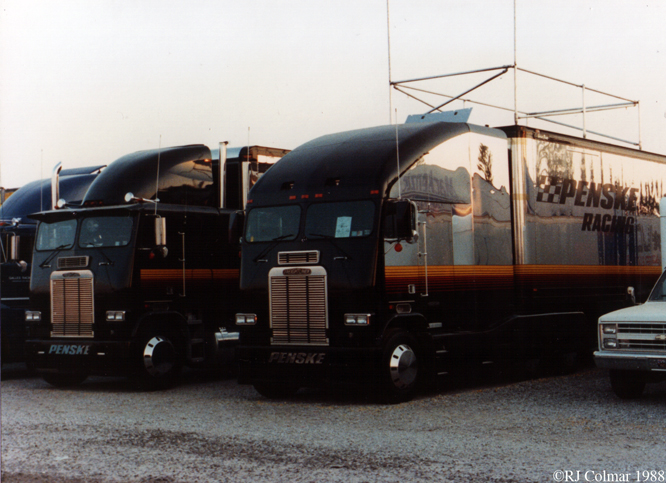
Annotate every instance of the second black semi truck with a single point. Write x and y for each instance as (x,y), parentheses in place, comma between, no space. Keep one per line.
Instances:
(379,255)
(140,279)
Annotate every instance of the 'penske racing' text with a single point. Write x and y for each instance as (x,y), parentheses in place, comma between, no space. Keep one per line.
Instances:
(606,196)
(297,357)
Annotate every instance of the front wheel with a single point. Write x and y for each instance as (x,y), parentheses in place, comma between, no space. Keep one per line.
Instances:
(627,384)
(158,361)
(400,371)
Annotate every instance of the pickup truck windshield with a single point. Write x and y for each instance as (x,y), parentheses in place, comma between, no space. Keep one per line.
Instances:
(272,223)
(659,291)
(343,219)
(105,231)
(56,235)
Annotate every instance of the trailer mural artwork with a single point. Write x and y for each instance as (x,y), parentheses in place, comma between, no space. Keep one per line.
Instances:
(141,279)
(383,255)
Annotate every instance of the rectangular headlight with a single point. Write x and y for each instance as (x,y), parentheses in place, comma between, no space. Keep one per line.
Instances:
(33,316)
(610,343)
(115,315)
(609,328)
(357,319)
(246,319)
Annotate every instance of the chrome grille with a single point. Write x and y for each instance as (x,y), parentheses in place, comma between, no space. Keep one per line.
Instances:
(298,258)
(298,303)
(642,336)
(72,305)
(73,262)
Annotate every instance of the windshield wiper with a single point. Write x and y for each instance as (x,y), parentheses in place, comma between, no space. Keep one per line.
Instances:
(271,246)
(332,239)
(108,260)
(56,250)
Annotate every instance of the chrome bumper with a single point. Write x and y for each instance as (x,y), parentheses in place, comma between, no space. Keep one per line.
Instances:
(630,361)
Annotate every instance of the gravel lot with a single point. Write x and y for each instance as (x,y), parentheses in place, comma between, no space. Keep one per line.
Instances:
(210,429)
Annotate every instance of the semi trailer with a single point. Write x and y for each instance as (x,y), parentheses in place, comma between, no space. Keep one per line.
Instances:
(140,280)
(385,255)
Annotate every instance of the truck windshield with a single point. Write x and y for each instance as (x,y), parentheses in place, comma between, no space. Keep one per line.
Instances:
(343,219)
(105,231)
(659,291)
(272,223)
(58,235)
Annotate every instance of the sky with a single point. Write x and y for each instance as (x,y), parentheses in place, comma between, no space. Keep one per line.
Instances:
(84,83)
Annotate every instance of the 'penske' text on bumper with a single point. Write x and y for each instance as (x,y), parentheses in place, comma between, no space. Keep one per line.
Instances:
(297,357)
(75,349)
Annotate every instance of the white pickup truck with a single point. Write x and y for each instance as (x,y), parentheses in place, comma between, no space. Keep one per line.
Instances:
(632,344)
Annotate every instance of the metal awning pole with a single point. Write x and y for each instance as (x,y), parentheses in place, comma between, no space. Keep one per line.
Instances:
(584,112)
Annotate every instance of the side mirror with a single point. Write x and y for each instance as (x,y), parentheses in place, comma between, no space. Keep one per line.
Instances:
(400,221)
(632,295)
(236,223)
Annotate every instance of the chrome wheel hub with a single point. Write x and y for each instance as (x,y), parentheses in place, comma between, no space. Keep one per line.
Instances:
(403,366)
(159,356)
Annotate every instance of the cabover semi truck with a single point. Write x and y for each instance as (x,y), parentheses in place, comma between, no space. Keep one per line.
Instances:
(385,254)
(17,237)
(141,279)
(632,341)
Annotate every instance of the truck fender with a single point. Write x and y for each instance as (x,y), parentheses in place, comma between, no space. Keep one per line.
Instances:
(413,323)
(173,321)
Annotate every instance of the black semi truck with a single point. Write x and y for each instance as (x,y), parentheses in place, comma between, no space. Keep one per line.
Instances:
(381,255)
(141,279)
(17,237)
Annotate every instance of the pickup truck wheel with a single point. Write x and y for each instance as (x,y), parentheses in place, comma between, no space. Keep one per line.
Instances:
(400,370)
(158,361)
(276,391)
(627,384)
(64,379)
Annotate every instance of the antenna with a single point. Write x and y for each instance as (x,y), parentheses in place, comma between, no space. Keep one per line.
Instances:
(515,67)
(41,185)
(397,153)
(157,181)
(388,34)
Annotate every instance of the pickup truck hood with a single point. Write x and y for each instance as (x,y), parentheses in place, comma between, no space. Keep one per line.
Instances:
(647,312)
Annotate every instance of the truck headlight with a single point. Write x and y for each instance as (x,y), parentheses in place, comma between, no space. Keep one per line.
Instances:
(609,329)
(246,319)
(115,316)
(357,319)
(610,344)
(33,316)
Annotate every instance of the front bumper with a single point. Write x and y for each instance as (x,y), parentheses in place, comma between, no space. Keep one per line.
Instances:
(630,361)
(79,356)
(307,365)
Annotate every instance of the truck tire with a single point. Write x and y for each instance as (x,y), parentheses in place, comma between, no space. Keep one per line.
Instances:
(64,379)
(627,384)
(276,391)
(158,361)
(399,371)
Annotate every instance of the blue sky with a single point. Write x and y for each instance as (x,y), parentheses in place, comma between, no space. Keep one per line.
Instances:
(85,82)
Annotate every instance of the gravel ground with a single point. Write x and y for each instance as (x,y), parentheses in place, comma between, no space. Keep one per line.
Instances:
(210,429)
